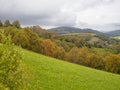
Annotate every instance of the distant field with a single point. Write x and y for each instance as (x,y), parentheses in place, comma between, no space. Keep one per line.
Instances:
(80,34)
(103,50)
(117,37)
(52,74)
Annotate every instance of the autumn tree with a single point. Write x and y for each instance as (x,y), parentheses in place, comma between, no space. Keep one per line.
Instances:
(95,61)
(20,38)
(16,23)
(48,48)
(7,23)
(83,53)
(85,56)
(32,39)
(112,63)
(66,45)
(60,53)
(72,55)
(43,32)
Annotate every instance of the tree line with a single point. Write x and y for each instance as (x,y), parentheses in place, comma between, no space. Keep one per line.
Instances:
(69,49)
(7,23)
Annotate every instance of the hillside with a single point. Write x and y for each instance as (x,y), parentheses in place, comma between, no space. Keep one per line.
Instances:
(113,33)
(51,74)
(67,30)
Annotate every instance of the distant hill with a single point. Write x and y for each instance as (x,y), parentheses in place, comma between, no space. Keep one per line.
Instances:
(67,30)
(113,33)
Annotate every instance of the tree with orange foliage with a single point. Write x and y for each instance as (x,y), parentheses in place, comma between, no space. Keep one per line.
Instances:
(112,63)
(95,61)
(60,53)
(83,53)
(72,55)
(48,48)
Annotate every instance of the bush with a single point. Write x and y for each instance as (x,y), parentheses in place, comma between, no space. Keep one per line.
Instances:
(47,47)
(72,55)
(112,63)
(85,56)
(95,61)
(10,59)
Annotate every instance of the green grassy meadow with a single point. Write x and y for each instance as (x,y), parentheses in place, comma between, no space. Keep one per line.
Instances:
(52,74)
(81,34)
(117,37)
(103,50)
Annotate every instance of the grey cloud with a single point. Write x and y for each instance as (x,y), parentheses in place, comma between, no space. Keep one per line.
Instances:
(80,5)
(104,27)
(62,12)
(35,12)
(116,25)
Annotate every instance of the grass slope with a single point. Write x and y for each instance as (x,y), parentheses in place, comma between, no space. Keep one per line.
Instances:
(52,74)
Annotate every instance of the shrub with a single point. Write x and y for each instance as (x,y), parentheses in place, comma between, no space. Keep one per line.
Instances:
(72,55)
(10,59)
(95,61)
(112,63)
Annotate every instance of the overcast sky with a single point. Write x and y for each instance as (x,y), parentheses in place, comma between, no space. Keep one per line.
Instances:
(102,15)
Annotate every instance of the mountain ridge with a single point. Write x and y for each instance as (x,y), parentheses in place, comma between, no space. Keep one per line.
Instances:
(66,30)
(113,33)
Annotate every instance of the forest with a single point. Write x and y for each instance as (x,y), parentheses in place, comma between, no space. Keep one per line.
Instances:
(72,48)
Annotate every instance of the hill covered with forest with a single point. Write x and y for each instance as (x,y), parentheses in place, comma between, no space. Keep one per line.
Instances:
(84,50)
(68,30)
